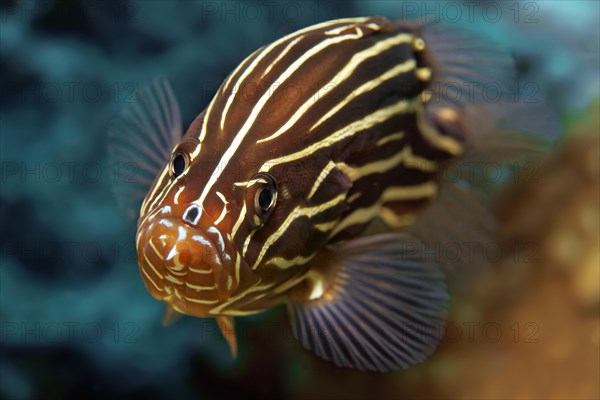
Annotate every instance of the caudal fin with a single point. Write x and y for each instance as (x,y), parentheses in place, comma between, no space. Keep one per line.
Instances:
(474,110)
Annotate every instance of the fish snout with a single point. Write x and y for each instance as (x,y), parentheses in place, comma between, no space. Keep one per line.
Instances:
(190,268)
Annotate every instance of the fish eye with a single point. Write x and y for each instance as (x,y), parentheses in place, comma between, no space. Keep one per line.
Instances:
(265,196)
(264,199)
(178,164)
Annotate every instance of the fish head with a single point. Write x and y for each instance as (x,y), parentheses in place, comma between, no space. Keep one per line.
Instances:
(207,231)
(185,259)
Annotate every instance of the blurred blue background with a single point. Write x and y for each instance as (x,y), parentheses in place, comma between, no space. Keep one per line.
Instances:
(76,320)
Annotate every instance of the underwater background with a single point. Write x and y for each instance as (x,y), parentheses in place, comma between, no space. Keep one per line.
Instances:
(76,320)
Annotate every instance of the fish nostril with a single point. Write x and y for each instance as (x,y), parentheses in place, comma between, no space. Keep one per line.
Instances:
(191,214)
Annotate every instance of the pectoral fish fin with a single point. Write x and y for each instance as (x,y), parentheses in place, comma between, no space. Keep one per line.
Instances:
(226,325)
(383,307)
(171,315)
(140,142)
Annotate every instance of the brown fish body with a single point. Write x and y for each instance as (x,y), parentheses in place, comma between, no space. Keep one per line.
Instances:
(368,152)
(309,141)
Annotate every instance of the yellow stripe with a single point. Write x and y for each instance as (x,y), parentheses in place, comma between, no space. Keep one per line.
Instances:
(283,263)
(298,212)
(349,130)
(238,262)
(344,74)
(175,273)
(154,248)
(406,66)
(195,153)
(199,288)
(326,226)
(390,138)
(151,280)
(222,215)
(281,55)
(338,30)
(405,156)
(393,193)
(237,313)
(326,170)
(359,216)
(394,220)
(253,288)
(198,301)
(247,242)
(238,68)
(318,289)
(152,267)
(440,141)
(239,221)
(270,291)
(151,197)
(206,117)
(201,271)
(173,280)
(354,197)
(290,283)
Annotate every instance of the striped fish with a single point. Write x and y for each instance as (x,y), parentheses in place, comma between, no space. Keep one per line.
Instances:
(272,194)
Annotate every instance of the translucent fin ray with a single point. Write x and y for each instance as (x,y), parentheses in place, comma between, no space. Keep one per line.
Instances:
(384,309)
(141,139)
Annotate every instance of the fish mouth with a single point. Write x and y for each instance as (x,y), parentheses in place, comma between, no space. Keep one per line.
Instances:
(188,267)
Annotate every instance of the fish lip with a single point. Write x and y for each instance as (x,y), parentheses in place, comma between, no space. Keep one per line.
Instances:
(193,262)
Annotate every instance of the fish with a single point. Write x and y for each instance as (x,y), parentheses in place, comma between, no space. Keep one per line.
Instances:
(297,182)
